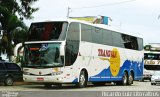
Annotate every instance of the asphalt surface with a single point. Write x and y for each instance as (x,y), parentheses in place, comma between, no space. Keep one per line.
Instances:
(137,86)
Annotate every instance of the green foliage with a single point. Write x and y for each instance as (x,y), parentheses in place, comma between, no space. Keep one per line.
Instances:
(22,7)
(19,35)
(12,13)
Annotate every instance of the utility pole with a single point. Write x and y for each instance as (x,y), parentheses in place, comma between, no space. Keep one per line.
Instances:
(68,10)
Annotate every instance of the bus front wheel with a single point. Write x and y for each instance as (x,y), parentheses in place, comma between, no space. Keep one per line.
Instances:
(82,80)
(47,85)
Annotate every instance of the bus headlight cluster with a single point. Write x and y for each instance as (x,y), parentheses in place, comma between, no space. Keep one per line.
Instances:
(26,73)
(57,73)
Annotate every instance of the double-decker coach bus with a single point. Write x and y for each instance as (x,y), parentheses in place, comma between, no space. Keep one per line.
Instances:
(151,59)
(77,52)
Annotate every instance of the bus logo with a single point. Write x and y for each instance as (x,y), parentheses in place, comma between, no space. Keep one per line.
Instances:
(113,57)
(40,73)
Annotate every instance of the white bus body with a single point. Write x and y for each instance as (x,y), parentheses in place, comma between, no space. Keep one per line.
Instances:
(86,53)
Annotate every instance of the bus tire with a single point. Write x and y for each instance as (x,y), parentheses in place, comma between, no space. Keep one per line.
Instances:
(130,79)
(125,79)
(82,80)
(47,85)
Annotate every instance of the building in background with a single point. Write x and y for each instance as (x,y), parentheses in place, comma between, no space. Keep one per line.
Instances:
(95,19)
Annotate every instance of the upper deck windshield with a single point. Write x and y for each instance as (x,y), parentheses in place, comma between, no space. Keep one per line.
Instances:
(44,31)
(43,55)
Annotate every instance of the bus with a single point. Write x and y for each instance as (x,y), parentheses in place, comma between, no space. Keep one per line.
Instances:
(70,51)
(151,60)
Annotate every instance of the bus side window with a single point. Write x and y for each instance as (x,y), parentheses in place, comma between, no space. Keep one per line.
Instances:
(72,44)
(68,57)
(63,31)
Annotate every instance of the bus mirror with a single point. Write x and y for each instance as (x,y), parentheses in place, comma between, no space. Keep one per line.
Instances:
(62,49)
(16,49)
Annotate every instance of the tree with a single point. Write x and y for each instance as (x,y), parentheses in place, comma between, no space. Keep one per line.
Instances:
(19,35)
(12,13)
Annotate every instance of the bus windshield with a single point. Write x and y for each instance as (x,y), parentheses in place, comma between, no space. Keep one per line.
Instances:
(43,55)
(44,31)
(152,56)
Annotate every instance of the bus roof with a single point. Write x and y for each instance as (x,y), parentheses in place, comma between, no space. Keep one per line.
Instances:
(91,24)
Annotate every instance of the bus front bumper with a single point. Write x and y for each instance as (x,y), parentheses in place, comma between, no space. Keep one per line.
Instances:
(47,79)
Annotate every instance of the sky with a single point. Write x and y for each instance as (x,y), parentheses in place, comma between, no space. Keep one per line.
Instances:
(137,17)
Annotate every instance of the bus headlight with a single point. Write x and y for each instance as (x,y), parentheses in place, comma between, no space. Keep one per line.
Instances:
(26,73)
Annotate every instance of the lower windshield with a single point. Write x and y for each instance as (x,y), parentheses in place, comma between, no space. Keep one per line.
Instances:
(152,67)
(43,54)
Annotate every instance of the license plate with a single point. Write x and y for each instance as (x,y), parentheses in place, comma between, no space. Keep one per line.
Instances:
(40,79)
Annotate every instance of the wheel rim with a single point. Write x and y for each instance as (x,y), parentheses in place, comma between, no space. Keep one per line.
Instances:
(9,81)
(82,80)
(130,79)
(124,79)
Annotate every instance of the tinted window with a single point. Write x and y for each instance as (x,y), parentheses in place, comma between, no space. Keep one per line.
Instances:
(43,54)
(130,42)
(152,67)
(140,43)
(1,66)
(47,31)
(72,44)
(86,34)
(152,56)
(97,35)
(73,32)
(107,37)
(117,40)
(12,66)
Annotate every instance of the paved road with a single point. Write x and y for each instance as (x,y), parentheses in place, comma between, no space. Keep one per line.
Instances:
(137,86)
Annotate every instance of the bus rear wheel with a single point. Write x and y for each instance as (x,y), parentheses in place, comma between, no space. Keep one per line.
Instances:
(130,79)
(82,80)
(124,80)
